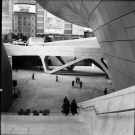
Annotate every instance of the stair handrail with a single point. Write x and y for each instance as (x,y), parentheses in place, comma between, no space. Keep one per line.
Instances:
(97,112)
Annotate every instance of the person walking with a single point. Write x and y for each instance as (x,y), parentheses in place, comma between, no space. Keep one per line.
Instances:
(65,99)
(105,91)
(66,107)
(73,82)
(74,107)
(33,76)
(56,78)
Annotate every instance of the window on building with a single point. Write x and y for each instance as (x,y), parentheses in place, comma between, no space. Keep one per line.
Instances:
(67,31)
(24,21)
(25,1)
(40,31)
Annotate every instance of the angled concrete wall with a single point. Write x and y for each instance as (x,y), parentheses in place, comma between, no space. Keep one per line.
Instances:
(7,92)
(115,31)
(121,123)
(113,23)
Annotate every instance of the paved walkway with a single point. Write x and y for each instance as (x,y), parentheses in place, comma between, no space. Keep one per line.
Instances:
(45,93)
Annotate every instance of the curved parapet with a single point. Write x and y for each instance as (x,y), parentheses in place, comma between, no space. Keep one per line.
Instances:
(111,114)
(80,48)
(112,23)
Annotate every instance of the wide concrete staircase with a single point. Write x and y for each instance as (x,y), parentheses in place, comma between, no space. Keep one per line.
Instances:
(112,114)
(55,124)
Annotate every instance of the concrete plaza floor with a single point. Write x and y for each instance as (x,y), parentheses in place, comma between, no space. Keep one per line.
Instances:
(45,93)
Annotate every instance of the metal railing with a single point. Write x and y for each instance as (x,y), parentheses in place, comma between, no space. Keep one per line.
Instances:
(97,112)
(111,90)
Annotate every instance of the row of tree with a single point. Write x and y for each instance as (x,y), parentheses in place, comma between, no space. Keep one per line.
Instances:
(88,34)
(8,37)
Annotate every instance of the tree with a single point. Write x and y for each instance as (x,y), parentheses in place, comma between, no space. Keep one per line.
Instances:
(6,39)
(88,34)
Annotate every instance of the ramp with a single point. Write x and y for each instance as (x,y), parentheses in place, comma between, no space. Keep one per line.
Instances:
(66,65)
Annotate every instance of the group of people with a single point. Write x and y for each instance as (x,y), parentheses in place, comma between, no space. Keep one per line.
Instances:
(78,81)
(66,107)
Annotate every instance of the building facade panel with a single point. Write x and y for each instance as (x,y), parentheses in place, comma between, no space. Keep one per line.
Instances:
(7,11)
(28,18)
(40,19)
(41,24)
(113,24)
(40,31)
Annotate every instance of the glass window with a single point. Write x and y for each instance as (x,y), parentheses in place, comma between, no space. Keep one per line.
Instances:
(25,1)
(40,31)
(67,31)
(19,29)
(19,23)
(40,12)
(40,19)
(24,21)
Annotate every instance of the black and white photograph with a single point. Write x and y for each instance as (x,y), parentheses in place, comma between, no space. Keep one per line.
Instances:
(67,67)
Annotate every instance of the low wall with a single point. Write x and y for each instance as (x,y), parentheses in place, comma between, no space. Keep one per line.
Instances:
(122,123)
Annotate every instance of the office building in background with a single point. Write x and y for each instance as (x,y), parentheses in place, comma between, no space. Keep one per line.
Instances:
(27,17)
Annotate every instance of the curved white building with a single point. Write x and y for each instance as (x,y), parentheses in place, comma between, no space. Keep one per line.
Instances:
(113,23)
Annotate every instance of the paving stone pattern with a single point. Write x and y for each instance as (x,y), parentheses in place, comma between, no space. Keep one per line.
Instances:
(45,93)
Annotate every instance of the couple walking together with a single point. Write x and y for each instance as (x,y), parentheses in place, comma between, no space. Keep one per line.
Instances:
(66,108)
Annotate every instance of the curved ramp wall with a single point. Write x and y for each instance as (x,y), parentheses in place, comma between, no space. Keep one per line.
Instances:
(114,27)
(7,93)
(122,123)
(113,23)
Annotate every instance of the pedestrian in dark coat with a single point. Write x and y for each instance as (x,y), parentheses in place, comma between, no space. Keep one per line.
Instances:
(105,91)
(66,107)
(74,107)
(73,82)
(33,76)
(56,78)
(65,99)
